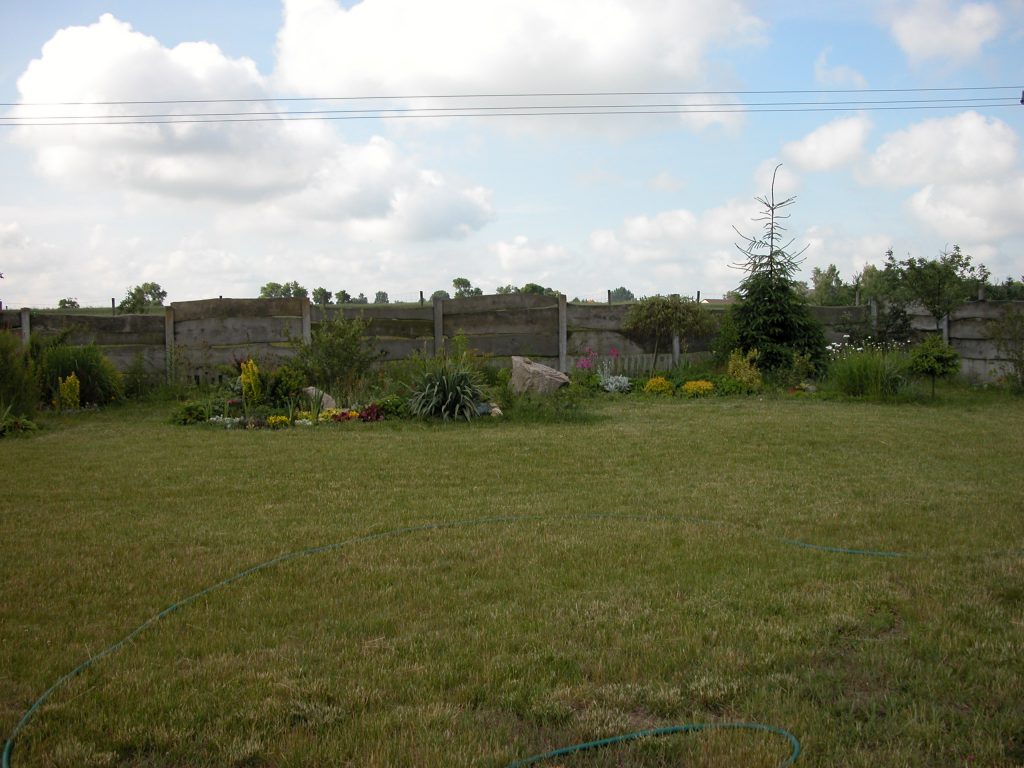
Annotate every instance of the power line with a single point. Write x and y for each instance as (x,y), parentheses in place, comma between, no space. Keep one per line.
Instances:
(537,94)
(564,112)
(441,111)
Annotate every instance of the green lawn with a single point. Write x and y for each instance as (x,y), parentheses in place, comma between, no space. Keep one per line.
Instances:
(627,573)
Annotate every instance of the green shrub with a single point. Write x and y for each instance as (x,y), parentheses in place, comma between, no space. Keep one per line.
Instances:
(337,357)
(19,388)
(12,424)
(393,407)
(99,381)
(935,359)
(873,372)
(191,412)
(658,385)
(70,393)
(743,368)
(138,381)
(727,385)
(698,388)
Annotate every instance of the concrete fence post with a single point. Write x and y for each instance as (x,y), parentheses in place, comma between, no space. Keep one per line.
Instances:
(438,325)
(307,322)
(945,329)
(169,353)
(563,335)
(675,351)
(26,326)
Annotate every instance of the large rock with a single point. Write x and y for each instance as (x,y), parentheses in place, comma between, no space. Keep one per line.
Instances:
(528,376)
(313,393)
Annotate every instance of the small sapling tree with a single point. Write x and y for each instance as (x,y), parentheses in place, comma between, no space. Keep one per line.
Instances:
(662,317)
(935,359)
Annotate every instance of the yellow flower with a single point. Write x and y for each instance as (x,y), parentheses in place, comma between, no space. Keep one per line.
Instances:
(698,388)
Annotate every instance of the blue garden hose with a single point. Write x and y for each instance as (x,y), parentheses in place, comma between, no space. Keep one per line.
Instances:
(667,731)
(5,762)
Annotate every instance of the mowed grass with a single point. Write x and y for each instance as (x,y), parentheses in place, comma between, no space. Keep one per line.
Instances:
(579,581)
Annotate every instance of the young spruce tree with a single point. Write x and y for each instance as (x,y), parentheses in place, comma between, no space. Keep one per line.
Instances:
(772,315)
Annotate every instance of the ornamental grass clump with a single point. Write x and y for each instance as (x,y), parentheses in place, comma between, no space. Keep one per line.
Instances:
(872,371)
(448,387)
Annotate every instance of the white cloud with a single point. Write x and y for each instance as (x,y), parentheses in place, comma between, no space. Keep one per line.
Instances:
(833,145)
(838,76)
(786,182)
(939,29)
(966,147)
(666,182)
(983,211)
(300,170)
(830,245)
(403,47)
(527,261)
(12,238)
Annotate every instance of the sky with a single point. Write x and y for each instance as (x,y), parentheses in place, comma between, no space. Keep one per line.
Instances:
(406,201)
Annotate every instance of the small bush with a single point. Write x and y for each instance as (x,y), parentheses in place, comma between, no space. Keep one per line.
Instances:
(935,359)
(612,382)
(727,385)
(99,381)
(12,424)
(338,355)
(659,385)
(698,388)
(191,412)
(70,396)
(393,407)
(743,368)
(138,381)
(19,388)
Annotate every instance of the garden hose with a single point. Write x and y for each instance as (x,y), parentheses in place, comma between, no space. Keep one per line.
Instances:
(5,762)
(794,743)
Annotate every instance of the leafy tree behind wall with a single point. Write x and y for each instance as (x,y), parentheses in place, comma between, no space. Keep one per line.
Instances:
(828,289)
(321,297)
(283,291)
(465,289)
(140,297)
(622,294)
(940,285)
(381,297)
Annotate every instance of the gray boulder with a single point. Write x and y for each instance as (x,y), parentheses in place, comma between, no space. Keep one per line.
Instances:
(528,376)
(313,393)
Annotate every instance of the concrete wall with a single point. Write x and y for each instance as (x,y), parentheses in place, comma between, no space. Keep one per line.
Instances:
(196,340)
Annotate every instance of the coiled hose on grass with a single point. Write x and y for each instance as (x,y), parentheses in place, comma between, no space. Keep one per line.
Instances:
(8,751)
